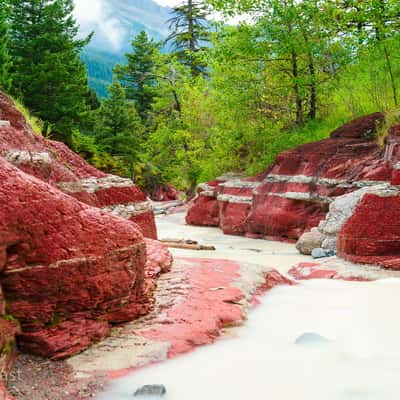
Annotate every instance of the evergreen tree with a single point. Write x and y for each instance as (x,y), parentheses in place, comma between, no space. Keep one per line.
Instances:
(118,127)
(189,33)
(5,60)
(138,76)
(47,71)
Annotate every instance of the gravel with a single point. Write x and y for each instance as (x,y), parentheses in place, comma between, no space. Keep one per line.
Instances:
(35,378)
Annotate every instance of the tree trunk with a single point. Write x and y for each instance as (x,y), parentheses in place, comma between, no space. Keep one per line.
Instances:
(392,80)
(313,81)
(296,89)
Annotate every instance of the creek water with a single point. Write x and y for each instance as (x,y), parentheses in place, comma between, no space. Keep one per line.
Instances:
(360,360)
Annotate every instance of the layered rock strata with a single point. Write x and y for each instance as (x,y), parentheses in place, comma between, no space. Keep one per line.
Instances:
(69,269)
(73,256)
(293,196)
(54,163)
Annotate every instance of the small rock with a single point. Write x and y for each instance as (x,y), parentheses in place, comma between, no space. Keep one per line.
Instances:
(151,390)
(309,241)
(321,253)
(311,338)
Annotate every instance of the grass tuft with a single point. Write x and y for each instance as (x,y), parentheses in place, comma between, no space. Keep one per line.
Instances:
(35,122)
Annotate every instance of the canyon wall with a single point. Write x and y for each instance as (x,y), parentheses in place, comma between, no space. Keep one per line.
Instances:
(340,194)
(77,247)
(54,163)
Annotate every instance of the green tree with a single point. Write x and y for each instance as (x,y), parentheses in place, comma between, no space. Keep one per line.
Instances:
(118,128)
(137,76)
(298,47)
(372,25)
(47,72)
(189,34)
(5,60)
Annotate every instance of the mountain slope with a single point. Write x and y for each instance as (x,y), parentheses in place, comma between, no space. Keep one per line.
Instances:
(114,28)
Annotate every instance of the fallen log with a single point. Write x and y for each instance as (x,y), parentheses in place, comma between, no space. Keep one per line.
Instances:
(179,241)
(185,246)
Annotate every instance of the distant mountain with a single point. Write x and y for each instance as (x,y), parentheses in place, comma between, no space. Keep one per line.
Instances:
(100,65)
(114,28)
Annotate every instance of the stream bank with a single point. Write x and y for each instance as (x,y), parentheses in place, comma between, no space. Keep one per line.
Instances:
(207,294)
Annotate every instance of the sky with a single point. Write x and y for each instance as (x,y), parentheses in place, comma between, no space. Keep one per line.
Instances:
(89,11)
(170,3)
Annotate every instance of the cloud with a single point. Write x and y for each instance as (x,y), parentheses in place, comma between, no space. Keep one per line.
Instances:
(88,10)
(95,15)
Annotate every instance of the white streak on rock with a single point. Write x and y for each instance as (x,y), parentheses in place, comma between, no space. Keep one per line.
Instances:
(93,184)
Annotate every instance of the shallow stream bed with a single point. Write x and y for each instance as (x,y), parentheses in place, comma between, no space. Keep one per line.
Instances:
(360,360)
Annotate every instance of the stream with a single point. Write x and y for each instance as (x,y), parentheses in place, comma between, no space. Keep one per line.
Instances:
(358,360)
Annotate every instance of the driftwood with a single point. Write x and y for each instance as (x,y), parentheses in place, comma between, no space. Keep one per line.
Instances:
(186,245)
(179,241)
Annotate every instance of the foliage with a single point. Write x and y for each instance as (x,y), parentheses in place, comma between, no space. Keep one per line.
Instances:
(34,122)
(5,59)
(189,33)
(47,72)
(118,128)
(226,100)
(137,76)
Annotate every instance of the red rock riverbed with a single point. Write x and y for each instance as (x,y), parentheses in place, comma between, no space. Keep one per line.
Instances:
(206,296)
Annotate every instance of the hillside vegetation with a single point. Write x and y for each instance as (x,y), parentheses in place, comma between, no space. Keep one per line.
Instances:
(228,98)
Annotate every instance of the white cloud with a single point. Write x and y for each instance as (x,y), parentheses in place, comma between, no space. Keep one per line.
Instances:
(94,14)
(169,3)
(88,10)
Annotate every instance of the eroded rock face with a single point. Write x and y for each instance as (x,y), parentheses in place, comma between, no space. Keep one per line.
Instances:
(293,196)
(70,269)
(73,259)
(340,210)
(54,163)
(165,193)
(372,234)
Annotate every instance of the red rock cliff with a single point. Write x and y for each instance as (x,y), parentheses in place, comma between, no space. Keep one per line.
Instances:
(294,194)
(70,266)
(54,163)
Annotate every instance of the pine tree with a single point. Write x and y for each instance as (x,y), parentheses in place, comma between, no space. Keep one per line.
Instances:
(47,72)
(118,127)
(189,33)
(5,60)
(138,76)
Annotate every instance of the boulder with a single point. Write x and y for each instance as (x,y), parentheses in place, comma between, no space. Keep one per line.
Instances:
(311,338)
(340,210)
(205,209)
(54,163)
(321,253)
(165,193)
(372,234)
(309,241)
(151,391)
(71,270)
(295,195)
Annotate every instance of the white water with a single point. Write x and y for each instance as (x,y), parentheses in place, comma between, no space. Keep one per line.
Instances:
(362,361)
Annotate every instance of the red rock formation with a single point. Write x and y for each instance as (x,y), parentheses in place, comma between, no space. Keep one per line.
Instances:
(205,209)
(293,195)
(70,269)
(210,302)
(56,164)
(165,193)
(309,271)
(363,127)
(372,233)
